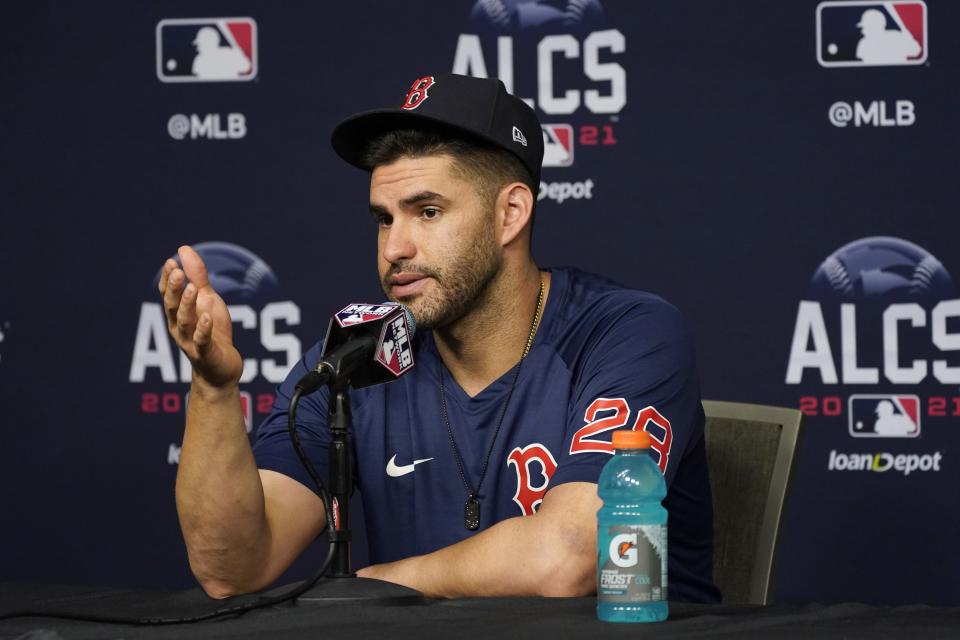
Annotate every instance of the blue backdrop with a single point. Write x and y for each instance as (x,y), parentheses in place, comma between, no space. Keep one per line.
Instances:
(784,184)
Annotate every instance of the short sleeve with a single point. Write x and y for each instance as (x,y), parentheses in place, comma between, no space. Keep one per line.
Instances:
(273,449)
(637,372)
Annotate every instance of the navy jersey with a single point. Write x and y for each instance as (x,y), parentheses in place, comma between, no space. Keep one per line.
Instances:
(604,358)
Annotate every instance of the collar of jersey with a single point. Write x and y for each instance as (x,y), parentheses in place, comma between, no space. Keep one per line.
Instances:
(495,391)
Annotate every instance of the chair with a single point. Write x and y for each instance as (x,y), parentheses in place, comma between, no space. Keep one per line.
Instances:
(750,452)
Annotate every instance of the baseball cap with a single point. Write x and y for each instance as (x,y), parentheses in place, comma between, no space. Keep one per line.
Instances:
(477,107)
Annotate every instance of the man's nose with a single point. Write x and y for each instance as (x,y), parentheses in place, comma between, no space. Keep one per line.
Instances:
(398,242)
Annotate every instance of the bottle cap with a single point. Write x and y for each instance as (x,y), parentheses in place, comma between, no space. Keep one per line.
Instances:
(627,439)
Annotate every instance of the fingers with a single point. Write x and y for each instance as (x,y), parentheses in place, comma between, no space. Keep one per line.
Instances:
(187,312)
(168,266)
(193,266)
(203,332)
(180,288)
(171,296)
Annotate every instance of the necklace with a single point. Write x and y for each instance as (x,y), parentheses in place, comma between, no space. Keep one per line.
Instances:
(471,508)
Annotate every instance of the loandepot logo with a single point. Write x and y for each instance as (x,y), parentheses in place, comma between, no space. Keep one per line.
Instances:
(905,463)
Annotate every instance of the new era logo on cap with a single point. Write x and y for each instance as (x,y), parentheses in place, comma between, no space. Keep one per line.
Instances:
(519,137)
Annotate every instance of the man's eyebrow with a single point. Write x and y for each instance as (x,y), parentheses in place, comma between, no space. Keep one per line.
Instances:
(423,196)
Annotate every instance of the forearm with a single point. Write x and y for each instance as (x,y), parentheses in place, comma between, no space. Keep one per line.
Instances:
(219,494)
(522,556)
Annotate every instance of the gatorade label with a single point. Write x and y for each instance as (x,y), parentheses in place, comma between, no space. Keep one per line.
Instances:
(633,563)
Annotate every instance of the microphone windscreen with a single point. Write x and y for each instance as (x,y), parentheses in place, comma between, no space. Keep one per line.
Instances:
(411,323)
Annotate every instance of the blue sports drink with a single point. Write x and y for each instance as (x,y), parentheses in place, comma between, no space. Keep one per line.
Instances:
(631,534)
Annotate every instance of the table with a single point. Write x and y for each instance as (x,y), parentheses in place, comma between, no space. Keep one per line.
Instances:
(542,618)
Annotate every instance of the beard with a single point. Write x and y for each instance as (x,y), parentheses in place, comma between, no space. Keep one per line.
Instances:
(461,284)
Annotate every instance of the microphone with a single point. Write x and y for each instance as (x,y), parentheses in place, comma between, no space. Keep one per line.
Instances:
(366,344)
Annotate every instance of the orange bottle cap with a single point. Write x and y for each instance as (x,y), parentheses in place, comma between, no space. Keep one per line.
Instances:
(626,439)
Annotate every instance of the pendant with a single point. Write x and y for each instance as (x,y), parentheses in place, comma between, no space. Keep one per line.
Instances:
(471,513)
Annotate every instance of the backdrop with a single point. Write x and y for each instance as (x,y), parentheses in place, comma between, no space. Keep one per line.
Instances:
(782,172)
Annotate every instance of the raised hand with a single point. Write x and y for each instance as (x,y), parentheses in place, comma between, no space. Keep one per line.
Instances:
(199,321)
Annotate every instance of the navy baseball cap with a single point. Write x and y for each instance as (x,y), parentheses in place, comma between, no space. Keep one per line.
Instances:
(477,107)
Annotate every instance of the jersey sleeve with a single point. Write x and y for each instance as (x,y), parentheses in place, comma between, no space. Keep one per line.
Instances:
(638,371)
(273,449)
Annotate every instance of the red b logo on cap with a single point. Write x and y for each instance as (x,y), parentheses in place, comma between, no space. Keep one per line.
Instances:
(417,93)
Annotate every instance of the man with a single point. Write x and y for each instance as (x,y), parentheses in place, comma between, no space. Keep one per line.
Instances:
(478,469)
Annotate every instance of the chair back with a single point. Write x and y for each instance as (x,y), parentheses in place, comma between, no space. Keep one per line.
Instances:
(750,452)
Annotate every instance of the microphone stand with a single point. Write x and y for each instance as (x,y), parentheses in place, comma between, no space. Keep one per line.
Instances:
(343,583)
(340,418)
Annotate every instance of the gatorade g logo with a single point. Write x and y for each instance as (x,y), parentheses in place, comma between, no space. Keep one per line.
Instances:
(623,550)
(417,93)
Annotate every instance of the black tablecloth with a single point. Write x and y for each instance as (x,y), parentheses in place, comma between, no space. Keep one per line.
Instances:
(547,619)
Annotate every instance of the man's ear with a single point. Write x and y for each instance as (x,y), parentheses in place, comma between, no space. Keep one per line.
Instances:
(515,205)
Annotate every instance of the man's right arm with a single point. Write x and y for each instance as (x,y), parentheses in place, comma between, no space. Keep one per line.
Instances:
(242,526)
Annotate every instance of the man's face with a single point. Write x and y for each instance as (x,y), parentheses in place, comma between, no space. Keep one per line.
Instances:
(437,248)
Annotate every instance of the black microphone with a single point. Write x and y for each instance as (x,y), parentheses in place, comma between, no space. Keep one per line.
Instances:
(366,344)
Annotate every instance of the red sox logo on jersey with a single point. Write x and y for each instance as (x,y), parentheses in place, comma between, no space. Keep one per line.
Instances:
(417,93)
(603,414)
(529,496)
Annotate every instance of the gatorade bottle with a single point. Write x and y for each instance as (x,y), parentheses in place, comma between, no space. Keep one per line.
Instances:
(631,534)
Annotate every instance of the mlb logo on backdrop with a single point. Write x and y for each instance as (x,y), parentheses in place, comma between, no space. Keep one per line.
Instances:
(207,50)
(861,34)
(884,416)
(557,145)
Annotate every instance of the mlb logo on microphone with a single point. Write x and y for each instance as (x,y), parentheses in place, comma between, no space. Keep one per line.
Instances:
(395,351)
(871,34)
(884,416)
(361,313)
(207,50)
(557,145)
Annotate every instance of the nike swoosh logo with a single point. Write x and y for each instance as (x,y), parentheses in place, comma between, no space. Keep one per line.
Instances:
(395,471)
